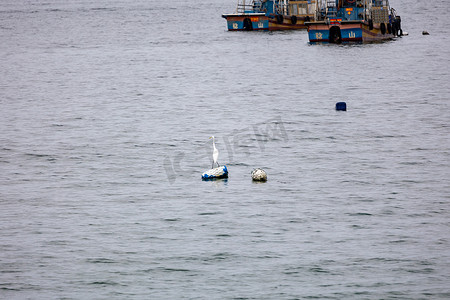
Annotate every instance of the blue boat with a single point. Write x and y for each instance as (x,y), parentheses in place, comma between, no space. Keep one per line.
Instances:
(343,21)
(269,15)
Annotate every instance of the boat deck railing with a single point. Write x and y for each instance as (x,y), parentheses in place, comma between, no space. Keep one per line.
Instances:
(244,7)
(249,6)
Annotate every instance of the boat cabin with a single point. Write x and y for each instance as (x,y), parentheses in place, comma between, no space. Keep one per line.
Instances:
(278,7)
(353,10)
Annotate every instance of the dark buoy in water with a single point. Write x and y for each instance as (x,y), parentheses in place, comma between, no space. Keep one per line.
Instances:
(341,106)
(425,32)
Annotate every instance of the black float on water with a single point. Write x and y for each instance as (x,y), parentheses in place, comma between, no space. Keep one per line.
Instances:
(341,106)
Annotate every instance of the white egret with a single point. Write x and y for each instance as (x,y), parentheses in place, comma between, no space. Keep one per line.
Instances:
(215,153)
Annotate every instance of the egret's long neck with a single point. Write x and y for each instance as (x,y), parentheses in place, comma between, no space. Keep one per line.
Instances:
(214,144)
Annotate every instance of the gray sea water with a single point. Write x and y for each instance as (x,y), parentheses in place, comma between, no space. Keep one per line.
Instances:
(106,108)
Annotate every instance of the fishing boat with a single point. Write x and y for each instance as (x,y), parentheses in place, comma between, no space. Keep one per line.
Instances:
(268,15)
(343,21)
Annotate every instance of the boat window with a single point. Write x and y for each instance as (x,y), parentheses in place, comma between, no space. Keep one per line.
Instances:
(311,8)
(303,8)
(294,9)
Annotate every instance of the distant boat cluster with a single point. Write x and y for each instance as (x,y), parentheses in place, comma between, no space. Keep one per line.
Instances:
(327,21)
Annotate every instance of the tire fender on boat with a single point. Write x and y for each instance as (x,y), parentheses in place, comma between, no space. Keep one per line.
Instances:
(248,26)
(294,20)
(280,19)
(383,28)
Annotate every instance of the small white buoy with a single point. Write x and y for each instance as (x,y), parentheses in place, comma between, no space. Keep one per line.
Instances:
(259,175)
(216,173)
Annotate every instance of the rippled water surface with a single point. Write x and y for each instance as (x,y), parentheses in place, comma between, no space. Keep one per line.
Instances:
(106,111)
